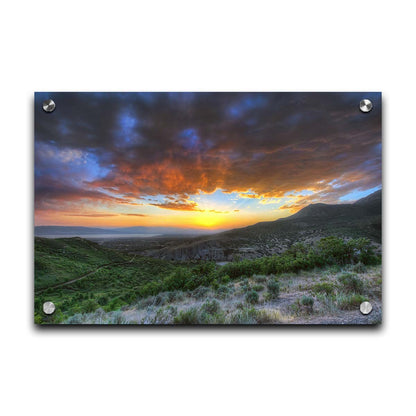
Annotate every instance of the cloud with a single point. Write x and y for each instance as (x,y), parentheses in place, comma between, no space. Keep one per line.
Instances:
(179,206)
(121,148)
(136,215)
(91,215)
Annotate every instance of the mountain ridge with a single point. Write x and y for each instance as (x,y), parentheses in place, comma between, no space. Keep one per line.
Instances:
(359,219)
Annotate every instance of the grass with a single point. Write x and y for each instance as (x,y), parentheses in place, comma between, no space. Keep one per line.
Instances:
(325,287)
(153,291)
(349,301)
(351,282)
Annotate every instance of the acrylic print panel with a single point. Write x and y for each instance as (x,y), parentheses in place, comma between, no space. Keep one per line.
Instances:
(207,208)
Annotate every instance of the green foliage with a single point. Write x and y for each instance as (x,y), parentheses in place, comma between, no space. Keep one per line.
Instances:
(349,301)
(359,268)
(351,283)
(112,280)
(188,317)
(273,287)
(252,297)
(244,316)
(328,251)
(179,279)
(201,292)
(260,278)
(211,306)
(307,301)
(89,305)
(324,287)
(223,291)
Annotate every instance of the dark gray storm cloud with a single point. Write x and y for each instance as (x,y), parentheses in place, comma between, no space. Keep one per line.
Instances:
(122,146)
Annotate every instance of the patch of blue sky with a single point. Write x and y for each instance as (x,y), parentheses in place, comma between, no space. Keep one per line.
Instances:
(93,168)
(358,194)
(74,164)
(224,201)
(335,183)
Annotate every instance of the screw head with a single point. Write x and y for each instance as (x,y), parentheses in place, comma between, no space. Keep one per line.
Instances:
(366,308)
(49,308)
(48,106)
(366,105)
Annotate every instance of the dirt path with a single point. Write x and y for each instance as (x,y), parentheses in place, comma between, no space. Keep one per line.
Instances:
(84,275)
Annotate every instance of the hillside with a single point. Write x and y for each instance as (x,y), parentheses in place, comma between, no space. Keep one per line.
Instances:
(360,219)
(89,283)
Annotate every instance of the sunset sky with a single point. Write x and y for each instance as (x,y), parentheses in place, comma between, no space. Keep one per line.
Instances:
(200,160)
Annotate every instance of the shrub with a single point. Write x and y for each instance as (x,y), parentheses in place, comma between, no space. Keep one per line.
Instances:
(324,287)
(307,301)
(160,299)
(239,305)
(350,301)
(188,317)
(223,291)
(211,306)
(103,300)
(201,292)
(252,297)
(359,268)
(260,278)
(269,316)
(178,279)
(351,282)
(274,288)
(89,306)
(244,316)
(225,279)
(258,288)
(117,318)
(245,287)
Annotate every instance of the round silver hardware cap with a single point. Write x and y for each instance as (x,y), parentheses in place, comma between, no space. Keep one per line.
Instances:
(49,308)
(366,105)
(48,106)
(366,308)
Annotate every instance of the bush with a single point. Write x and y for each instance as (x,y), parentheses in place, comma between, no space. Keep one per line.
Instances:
(324,287)
(117,318)
(274,288)
(252,297)
(201,292)
(359,268)
(103,300)
(188,317)
(223,291)
(307,301)
(244,316)
(178,280)
(260,278)
(350,301)
(211,306)
(89,306)
(351,282)
(258,288)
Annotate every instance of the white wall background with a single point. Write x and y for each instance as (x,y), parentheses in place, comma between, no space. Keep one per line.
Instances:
(215,45)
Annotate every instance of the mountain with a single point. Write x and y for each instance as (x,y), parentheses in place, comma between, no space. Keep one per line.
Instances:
(360,219)
(70,231)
